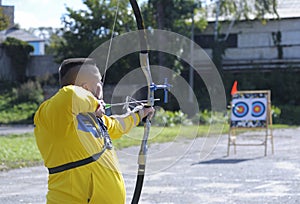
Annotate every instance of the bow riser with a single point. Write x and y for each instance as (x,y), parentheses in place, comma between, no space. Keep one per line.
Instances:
(144,62)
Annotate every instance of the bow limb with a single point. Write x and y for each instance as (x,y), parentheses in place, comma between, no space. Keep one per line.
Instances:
(144,62)
(144,58)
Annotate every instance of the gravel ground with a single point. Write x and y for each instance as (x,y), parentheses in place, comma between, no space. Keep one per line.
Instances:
(178,175)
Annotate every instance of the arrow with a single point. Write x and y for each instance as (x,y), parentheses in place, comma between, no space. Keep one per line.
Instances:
(107,105)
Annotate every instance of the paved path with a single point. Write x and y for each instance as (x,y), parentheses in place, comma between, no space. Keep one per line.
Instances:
(182,177)
(15,129)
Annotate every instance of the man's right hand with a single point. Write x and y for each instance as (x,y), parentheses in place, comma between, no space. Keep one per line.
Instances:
(101,109)
(144,111)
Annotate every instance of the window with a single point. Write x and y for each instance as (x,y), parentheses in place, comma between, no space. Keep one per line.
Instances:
(207,41)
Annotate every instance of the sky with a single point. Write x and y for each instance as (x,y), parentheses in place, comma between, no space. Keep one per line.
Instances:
(47,13)
(41,13)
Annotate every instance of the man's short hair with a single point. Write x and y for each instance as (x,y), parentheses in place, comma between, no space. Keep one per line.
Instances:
(69,69)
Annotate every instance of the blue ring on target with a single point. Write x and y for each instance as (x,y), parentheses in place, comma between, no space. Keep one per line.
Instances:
(258,109)
(241,109)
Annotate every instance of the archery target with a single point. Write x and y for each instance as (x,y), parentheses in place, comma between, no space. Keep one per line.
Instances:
(249,109)
(240,109)
(258,109)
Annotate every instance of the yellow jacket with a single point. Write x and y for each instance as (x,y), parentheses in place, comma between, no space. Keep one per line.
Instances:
(65,132)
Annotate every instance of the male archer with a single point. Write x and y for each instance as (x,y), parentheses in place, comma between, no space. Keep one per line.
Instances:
(73,136)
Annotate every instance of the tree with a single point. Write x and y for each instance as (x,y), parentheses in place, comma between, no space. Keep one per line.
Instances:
(253,9)
(175,16)
(169,14)
(85,29)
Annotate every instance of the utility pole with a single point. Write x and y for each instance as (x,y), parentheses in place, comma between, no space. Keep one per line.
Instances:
(191,71)
(217,49)
(217,21)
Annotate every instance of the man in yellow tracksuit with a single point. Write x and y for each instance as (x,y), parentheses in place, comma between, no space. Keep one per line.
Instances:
(73,136)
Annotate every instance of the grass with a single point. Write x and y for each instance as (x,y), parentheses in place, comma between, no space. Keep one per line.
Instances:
(17,151)
(161,135)
(167,134)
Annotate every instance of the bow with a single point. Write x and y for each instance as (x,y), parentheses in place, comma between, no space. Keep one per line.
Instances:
(144,63)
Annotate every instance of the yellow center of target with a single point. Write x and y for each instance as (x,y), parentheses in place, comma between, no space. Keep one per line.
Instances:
(256,109)
(240,109)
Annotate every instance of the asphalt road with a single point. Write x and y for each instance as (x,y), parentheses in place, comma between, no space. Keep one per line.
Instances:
(182,177)
(15,129)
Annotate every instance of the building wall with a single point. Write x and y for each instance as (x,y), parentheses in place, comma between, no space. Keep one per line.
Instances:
(41,65)
(6,72)
(255,41)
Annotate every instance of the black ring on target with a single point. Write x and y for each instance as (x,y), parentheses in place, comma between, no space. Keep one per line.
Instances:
(258,109)
(240,109)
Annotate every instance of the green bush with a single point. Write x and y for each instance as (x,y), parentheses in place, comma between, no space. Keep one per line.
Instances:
(207,117)
(21,113)
(29,92)
(170,119)
(276,112)
(290,115)
(19,103)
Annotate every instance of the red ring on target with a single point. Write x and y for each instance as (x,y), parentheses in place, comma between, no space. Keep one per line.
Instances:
(258,109)
(241,109)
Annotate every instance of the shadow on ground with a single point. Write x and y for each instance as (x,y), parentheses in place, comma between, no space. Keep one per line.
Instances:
(224,161)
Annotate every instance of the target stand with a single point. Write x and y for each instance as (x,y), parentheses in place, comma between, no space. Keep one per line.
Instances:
(251,110)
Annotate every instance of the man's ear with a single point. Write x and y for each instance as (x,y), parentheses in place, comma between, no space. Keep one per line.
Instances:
(85,86)
(99,93)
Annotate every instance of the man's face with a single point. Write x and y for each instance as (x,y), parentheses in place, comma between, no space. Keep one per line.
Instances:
(95,85)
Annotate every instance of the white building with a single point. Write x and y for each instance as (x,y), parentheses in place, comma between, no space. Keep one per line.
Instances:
(252,44)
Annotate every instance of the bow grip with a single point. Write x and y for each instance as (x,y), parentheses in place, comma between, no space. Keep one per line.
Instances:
(145,118)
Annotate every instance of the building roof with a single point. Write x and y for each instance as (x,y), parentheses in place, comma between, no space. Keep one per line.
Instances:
(19,34)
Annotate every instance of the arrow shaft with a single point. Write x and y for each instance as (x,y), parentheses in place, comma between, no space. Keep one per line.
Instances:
(107,105)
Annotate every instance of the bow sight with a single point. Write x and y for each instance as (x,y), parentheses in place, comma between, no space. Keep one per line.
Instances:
(166,86)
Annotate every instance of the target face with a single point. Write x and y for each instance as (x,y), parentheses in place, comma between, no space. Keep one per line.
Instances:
(249,110)
(258,109)
(241,109)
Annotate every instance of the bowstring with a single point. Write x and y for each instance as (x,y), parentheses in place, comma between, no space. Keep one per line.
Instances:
(110,42)
(128,98)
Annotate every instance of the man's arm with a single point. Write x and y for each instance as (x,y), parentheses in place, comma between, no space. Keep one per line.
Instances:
(82,100)
(117,125)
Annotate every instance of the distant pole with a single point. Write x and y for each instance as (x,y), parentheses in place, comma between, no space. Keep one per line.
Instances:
(191,71)
(217,21)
